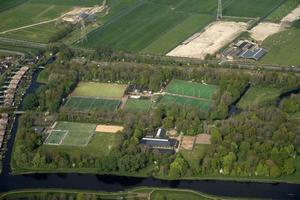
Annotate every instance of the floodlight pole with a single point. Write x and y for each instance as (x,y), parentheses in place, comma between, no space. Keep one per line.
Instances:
(219,10)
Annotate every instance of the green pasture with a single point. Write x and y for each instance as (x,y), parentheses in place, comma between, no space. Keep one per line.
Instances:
(191,89)
(283,48)
(178,195)
(71,134)
(248,8)
(185,101)
(283,10)
(90,104)
(100,90)
(137,105)
(8,4)
(169,40)
(258,96)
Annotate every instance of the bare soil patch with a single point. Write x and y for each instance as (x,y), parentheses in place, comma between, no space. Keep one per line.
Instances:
(203,139)
(108,128)
(264,30)
(187,142)
(214,37)
(292,16)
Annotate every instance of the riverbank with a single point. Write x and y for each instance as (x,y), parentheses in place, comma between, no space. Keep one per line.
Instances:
(149,193)
(293,179)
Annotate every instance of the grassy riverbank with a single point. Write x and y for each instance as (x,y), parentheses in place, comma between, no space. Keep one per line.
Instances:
(140,193)
(294,178)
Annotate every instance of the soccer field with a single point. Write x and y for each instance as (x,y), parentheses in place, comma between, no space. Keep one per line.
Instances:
(191,89)
(185,101)
(99,90)
(89,104)
(137,105)
(71,134)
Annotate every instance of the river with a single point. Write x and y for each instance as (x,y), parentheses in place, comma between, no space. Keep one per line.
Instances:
(119,183)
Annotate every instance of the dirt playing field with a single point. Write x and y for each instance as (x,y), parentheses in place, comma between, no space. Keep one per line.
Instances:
(108,128)
(187,142)
(203,139)
(264,30)
(292,16)
(214,37)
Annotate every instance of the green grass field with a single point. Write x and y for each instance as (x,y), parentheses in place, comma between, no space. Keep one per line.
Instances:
(194,156)
(137,105)
(178,195)
(71,134)
(191,89)
(284,48)
(184,101)
(91,104)
(258,96)
(283,10)
(82,140)
(99,90)
(169,40)
(248,8)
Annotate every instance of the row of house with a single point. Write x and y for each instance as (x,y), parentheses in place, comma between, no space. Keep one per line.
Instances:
(11,88)
(3,126)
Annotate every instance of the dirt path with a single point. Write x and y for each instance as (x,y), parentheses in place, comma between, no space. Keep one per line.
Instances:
(28,26)
(123,102)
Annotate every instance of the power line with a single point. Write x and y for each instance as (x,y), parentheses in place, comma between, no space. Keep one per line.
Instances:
(219,10)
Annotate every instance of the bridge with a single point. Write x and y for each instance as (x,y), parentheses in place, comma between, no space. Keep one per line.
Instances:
(19,112)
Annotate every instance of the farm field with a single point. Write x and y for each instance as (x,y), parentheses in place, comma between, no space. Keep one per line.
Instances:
(185,101)
(137,105)
(258,96)
(29,13)
(89,104)
(249,8)
(71,134)
(283,10)
(99,90)
(191,89)
(284,48)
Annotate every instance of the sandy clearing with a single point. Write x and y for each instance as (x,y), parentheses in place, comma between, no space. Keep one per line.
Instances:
(264,30)
(292,16)
(187,142)
(108,128)
(203,139)
(214,37)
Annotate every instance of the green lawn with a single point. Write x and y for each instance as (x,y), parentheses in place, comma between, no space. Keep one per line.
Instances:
(178,195)
(185,101)
(100,90)
(91,104)
(258,96)
(136,105)
(191,89)
(193,157)
(284,48)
